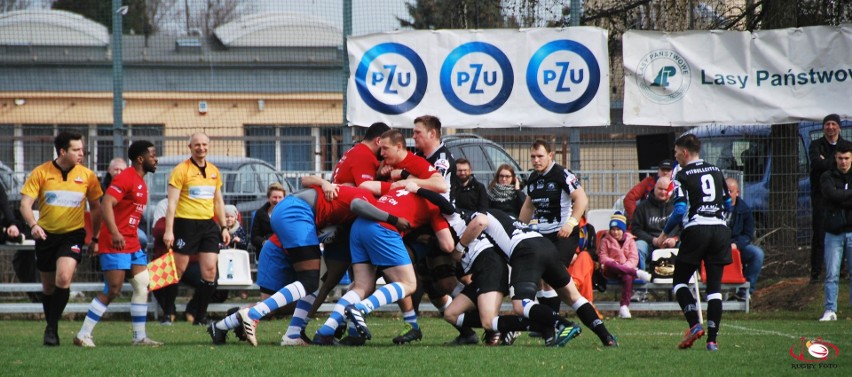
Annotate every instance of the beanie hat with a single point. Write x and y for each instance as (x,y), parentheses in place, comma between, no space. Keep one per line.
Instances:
(231,209)
(834,117)
(618,220)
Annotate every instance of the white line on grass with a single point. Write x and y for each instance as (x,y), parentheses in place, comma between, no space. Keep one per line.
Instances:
(778,333)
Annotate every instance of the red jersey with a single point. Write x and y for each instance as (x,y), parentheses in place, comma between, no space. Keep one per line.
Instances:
(357,165)
(132,195)
(338,210)
(412,207)
(417,166)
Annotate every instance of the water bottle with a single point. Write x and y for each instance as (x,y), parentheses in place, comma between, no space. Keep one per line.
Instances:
(230,274)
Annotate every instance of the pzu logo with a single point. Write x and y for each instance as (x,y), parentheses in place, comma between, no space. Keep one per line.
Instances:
(563,76)
(391,78)
(470,76)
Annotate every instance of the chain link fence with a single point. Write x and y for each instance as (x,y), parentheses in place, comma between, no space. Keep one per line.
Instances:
(266,80)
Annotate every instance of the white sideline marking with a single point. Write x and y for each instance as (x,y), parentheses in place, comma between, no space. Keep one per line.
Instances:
(778,333)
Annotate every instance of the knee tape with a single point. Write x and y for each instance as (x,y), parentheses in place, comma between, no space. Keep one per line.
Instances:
(139,282)
(309,279)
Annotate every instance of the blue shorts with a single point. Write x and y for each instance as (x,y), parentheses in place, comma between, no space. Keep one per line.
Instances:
(293,221)
(117,261)
(274,270)
(377,245)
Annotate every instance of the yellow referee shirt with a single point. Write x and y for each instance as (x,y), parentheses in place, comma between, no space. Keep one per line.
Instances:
(196,189)
(62,199)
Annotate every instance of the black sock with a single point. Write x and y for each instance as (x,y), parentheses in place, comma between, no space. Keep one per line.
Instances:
(714,316)
(554,303)
(59,300)
(471,319)
(543,315)
(509,323)
(589,317)
(204,293)
(46,302)
(688,305)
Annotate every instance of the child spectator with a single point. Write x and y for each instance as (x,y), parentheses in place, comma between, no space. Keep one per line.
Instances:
(239,239)
(619,258)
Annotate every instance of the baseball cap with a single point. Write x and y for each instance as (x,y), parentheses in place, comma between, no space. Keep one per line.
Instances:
(666,164)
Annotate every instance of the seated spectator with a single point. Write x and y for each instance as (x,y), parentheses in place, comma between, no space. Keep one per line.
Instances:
(239,240)
(261,230)
(468,194)
(742,235)
(619,259)
(644,188)
(649,219)
(504,191)
(582,266)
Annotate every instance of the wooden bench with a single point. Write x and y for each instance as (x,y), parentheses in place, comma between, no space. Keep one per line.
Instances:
(671,305)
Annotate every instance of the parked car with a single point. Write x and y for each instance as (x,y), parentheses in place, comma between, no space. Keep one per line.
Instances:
(244,182)
(484,155)
(749,149)
(12,184)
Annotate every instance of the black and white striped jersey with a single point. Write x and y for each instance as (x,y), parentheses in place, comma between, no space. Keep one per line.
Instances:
(550,194)
(701,187)
(505,232)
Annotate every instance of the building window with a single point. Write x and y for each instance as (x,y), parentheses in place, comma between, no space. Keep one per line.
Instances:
(294,148)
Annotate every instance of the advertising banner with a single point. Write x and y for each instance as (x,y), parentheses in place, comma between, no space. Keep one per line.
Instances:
(727,77)
(481,78)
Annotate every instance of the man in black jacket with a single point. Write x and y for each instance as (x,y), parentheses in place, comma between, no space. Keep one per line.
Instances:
(836,190)
(649,219)
(468,193)
(821,154)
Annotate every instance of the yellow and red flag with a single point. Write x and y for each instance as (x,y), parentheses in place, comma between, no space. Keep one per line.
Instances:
(162,272)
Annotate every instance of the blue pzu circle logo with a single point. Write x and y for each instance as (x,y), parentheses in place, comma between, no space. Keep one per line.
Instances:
(50,198)
(391,78)
(563,76)
(477,78)
(663,76)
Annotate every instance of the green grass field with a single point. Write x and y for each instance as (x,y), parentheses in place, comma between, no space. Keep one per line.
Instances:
(750,344)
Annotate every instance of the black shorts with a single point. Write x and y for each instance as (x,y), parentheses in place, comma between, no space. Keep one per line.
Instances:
(534,259)
(565,247)
(338,250)
(196,236)
(708,243)
(303,253)
(490,273)
(49,250)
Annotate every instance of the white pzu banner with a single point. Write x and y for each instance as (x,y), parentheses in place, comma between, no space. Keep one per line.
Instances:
(727,77)
(481,78)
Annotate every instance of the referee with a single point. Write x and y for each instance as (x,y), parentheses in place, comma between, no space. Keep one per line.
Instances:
(62,187)
(195,196)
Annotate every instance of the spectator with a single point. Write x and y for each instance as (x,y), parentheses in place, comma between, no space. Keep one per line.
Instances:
(742,235)
(649,219)
(619,259)
(644,188)
(504,191)
(23,262)
(470,194)
(239,240)
(838,224)
(821,153)
(116,166)
(261,230)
